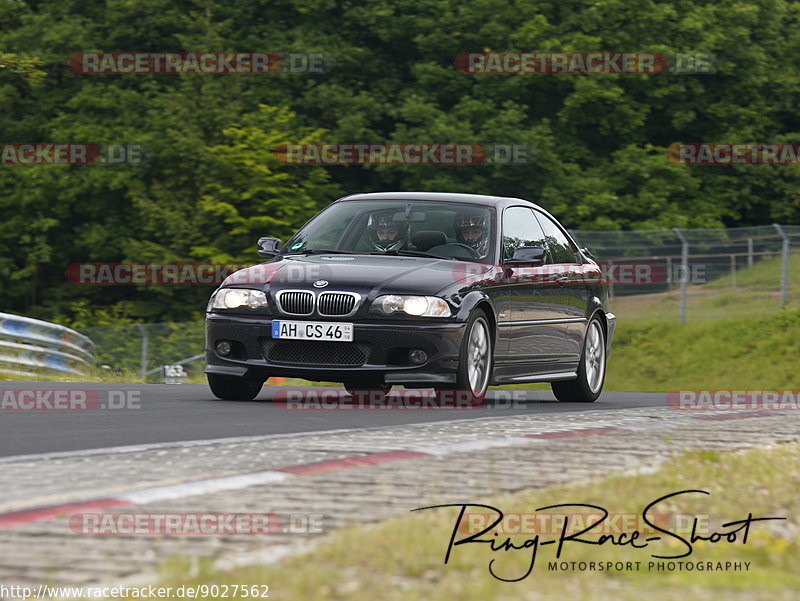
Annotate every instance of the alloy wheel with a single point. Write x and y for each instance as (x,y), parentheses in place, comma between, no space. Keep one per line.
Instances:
(594,357)
(478,357)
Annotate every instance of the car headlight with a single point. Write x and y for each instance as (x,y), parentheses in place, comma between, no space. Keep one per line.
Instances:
(419,306)
(234,298)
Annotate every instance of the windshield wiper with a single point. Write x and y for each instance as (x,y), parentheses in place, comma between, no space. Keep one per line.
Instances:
(326,251)
(322,251)
(409,253)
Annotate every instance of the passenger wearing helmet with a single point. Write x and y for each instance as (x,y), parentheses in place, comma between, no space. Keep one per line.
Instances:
(384,233)
(473,231)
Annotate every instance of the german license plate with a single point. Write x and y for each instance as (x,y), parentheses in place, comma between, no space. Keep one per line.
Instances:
(312,330)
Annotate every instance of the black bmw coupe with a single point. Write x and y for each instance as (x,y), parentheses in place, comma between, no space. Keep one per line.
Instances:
(427,290)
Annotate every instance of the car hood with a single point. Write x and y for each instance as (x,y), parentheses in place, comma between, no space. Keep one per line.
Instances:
(369,275)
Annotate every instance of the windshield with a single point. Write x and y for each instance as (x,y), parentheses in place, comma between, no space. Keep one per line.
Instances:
(426,228)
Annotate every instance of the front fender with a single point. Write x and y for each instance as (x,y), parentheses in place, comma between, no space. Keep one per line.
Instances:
(472,300)
(609,319)
(595,304)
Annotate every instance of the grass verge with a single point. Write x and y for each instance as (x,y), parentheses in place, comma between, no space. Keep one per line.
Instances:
(752,354)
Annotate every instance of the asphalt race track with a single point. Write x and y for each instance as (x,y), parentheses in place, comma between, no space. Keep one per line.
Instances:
(163,413)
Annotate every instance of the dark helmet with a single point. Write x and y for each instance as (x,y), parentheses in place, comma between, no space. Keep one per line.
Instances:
(469,221)
(386,234)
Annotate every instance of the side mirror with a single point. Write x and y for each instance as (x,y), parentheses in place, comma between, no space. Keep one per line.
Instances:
(587,253)
(527,255)
(269,248)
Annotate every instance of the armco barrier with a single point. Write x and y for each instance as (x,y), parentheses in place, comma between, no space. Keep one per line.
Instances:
(29,345)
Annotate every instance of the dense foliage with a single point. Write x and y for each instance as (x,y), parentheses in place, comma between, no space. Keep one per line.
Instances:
(210,185)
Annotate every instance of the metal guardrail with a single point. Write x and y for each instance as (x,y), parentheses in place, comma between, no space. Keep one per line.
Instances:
(28,345)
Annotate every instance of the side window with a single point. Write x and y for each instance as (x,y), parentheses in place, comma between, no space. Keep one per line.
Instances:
(561,249)
(520,228)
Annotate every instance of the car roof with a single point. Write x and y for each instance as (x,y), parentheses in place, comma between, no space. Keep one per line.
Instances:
(482,199)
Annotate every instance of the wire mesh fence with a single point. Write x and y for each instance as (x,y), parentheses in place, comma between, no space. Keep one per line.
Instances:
(146,348)
(677,275)
(686,274)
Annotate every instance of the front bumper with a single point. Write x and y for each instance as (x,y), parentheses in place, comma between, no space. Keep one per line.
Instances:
(387,345)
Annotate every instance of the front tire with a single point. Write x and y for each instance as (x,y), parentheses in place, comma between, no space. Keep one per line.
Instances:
(586,388)
(229,388)
(475,361)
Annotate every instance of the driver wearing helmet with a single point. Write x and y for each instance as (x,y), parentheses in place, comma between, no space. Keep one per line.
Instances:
(384,233)
(472,229)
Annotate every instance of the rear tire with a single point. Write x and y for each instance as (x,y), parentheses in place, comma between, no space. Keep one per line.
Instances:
(230,388)
(586,388)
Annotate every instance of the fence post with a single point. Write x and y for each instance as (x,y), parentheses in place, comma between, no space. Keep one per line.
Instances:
(733,271)
(784,263)
(610,282)
(749,252)
(669,273)
(685,273)
(144,351)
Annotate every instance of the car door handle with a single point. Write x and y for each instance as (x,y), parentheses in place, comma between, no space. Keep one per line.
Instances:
(562,279)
